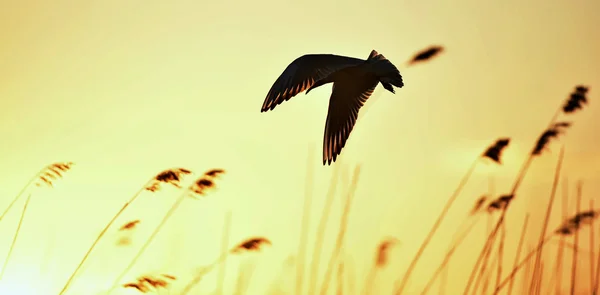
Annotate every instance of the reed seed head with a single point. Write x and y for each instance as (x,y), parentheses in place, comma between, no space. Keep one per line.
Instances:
(576,100)
(426,54)
(574,223)
(206,182)
(494,152)
(53,172)
(251,245)
(478,205)
(170,176)
(129,225)
(500,203)
(553,132)
(383,251)
(149,283)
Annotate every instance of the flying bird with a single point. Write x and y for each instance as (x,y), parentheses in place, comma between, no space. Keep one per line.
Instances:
(354,80)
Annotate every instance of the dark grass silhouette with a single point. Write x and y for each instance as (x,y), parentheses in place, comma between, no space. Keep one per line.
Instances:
(426,54)
(487,271)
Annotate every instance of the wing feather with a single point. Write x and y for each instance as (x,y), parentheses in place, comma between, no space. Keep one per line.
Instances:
(302,73)
(347,97)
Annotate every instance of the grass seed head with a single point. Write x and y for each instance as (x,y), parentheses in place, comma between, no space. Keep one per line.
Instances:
(500,203)
(576,100)
(574,223)
(170,176)
(551,133)
(251,245)
(426,54)
(494,152)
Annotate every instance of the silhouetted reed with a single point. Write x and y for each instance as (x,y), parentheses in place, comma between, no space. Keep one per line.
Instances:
(478,205)
(170,176)
(494,152)
(251,245)
(320,235)
(491,152)
(45,177)
(574,224)
(150,283)
(518,254)
(129,225)
(576,100)
(341,232)
(426,54)
(192,191)
(554,129)
(381,259)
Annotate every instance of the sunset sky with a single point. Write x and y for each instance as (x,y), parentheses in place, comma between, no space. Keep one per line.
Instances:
(126,89)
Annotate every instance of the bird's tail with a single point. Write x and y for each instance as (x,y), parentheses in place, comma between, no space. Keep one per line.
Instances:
(387,72)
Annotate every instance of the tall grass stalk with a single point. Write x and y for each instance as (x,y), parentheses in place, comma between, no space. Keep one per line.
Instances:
(519,179)
(321,228)
(402,284)
(592,250)
(224,247)
(341,233)
(15,237)
(304,223)
(101,234)
(555,182)
(518,254)
(133,261)
(576,240)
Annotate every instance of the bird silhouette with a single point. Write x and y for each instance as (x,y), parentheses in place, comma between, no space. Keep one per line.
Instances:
(354,80)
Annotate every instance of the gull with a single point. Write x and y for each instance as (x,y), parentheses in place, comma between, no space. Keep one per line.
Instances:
(354,80)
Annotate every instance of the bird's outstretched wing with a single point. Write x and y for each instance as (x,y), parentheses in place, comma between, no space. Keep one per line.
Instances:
(302,73)
(347,97)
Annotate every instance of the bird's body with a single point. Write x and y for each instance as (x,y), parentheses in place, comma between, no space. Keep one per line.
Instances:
(354,80)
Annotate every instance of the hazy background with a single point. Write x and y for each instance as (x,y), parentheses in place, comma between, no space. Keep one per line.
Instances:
(128,88)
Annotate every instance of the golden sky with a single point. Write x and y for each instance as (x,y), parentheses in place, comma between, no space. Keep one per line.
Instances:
(128,88)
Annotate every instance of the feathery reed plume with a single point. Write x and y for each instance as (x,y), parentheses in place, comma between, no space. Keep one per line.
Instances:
(341,232)
(576,100)
(478,205)
(251,245)
(304,226)
(518,255)
(149,283)
(575,223)
(538,257)
(569,227)
(399,287)
(494,152)
(553,132)
(500,203)
(171,176)
(426,54)
(179,200)
(45,177)
(129,225)
(381,260)
(246,246)
(321,227)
